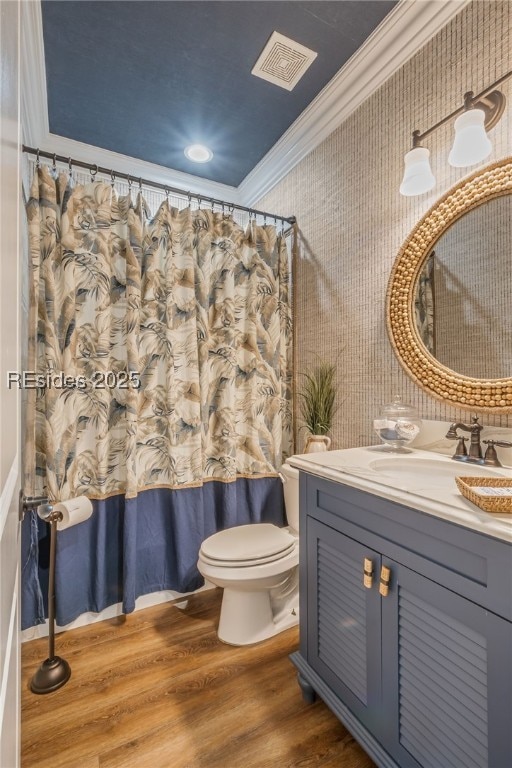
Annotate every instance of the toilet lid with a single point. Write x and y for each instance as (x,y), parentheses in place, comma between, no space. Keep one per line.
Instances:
(248,543)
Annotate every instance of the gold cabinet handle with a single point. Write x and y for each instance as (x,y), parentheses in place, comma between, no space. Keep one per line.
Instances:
(385,578)
(368,573)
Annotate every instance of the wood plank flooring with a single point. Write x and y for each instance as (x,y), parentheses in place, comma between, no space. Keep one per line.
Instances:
(157,689)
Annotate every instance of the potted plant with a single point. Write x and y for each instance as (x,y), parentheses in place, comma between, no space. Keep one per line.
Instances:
(317,396)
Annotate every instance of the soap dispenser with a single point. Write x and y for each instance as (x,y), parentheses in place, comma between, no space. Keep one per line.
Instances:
(397,424)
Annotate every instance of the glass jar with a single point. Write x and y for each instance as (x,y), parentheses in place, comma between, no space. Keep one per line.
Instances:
(397,424)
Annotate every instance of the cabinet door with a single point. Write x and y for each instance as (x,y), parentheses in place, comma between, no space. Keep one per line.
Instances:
(447,681)
(344,621)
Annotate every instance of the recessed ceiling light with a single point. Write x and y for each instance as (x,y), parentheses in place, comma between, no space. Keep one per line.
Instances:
(198,153)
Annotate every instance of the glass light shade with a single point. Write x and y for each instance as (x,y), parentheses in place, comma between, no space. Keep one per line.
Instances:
(418,176)
(471,143)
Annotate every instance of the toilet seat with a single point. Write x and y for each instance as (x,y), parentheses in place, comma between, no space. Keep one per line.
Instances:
(247,546)
(223,574)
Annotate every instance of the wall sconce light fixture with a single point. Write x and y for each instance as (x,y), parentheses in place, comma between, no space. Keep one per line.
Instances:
(471,144)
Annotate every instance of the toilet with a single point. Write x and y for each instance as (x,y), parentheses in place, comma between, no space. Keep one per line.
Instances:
(257,566)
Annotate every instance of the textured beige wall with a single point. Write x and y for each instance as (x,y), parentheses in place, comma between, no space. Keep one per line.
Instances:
(353,220)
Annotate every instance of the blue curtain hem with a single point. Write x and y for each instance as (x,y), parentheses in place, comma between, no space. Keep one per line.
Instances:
(134,547)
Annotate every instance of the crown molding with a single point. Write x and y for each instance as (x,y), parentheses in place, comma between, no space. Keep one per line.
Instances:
(401,34)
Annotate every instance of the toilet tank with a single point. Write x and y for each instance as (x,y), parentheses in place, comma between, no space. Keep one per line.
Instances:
(290,478)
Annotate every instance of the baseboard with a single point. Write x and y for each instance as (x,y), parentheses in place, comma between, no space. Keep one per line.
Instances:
(146,601)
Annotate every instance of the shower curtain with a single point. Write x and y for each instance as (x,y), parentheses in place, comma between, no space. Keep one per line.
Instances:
(162,360)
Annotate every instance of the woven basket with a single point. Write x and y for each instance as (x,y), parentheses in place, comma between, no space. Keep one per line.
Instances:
(501,504)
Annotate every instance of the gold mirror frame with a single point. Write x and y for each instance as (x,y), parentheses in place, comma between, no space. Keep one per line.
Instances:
(487,395)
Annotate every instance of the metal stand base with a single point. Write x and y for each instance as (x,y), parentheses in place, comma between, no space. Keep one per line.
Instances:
(51,675)
(54,672)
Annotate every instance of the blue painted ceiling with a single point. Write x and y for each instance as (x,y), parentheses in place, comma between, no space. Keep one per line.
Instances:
(147,78)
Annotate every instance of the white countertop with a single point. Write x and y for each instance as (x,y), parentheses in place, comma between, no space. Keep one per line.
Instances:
(439,497)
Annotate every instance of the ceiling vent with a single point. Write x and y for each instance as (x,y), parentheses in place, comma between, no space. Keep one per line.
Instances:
(283,61)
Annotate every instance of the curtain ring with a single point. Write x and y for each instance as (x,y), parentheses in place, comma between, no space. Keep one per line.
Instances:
(54,162)
(199,201)
(70,167)
(140,185)
(93,171)
(265,220)
(213,204)
(112,179)
(166,190)
(38,160)
(129,180)
(189,198)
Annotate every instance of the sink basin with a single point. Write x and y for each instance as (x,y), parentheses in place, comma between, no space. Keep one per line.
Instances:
(433,473)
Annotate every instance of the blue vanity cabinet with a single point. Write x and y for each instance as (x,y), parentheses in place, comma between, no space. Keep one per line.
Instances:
(446,677)
(422,674)
(344,643)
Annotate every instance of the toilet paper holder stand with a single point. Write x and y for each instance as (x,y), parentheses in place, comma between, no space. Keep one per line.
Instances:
(54,671)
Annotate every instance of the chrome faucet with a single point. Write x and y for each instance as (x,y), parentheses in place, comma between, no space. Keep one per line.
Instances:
(475,449)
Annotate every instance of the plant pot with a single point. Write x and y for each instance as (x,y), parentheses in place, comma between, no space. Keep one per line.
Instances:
(316,443)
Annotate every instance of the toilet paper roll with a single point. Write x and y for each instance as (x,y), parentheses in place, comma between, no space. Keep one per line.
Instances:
(73,512)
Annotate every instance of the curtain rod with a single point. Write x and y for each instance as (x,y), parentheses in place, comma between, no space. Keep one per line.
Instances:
(148,183)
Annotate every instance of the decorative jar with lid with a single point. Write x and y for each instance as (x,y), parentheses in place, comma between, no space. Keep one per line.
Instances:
(397,424)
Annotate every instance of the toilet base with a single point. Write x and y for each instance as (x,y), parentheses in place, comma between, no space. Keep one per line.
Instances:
(246,617)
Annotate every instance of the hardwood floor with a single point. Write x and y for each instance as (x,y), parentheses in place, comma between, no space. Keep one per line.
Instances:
(157,689)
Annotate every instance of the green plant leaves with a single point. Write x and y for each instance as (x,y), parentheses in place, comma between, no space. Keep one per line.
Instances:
(317,398)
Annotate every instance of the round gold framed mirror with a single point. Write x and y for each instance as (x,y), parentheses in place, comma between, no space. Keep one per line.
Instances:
(456,341)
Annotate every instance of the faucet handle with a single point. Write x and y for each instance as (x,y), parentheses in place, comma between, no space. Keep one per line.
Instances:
(491,457)
(461,446)
(452,433)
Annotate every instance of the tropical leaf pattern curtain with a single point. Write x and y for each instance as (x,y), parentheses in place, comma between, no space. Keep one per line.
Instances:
(164,343)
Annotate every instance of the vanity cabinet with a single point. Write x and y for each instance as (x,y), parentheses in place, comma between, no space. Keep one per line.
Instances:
(420,672)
